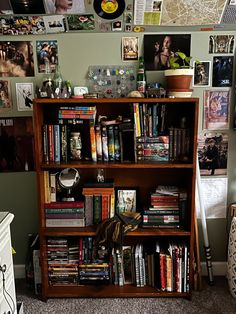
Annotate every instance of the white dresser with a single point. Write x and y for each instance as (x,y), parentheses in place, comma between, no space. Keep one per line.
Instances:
(7,304)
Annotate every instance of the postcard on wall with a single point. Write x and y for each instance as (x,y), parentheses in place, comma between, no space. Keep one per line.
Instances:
(201,73)
(17,135)
(216,109)
(74,7)
(77,22)
(213,153)
(16,58)
(24,96)
(147,12)
(159,48)
(214,197)
(221,44)
(222,71)
(47,51)
(130,48)
(5,96)
(54,23)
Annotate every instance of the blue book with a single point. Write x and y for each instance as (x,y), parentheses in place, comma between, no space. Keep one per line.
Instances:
(155,120)
(57,143)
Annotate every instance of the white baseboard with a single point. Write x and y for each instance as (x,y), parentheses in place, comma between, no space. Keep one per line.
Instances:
(219,269)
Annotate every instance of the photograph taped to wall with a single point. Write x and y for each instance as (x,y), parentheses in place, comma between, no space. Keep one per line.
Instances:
(130,48)
(47,51)
(222,71)
(201,73)
(216,109)
(5,96)
(24,96)
(71,7)
(221,44)
(77,22)
(213,153)
(16,144)
(54,23)
(16,59)
(126,199)
(22,25)
(159,48)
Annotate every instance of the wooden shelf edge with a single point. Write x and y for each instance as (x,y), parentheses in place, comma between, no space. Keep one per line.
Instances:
(91,231)
(109,291)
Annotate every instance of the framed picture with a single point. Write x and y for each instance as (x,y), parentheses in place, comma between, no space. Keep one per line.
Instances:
(221,44)
(129,48)
(126,199)
(201,73)
(159,48)
(222,71)
(216,109)
(24,96)
(213,153)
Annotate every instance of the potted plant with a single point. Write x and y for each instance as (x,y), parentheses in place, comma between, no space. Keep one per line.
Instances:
(179,76)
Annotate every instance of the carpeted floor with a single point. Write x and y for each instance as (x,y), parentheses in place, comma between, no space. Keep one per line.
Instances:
(212,299)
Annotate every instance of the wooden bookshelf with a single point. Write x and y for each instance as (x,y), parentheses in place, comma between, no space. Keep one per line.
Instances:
(145,175)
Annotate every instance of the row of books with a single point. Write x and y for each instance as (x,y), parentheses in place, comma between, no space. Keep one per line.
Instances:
(179,149)
(163,266)
(99,204)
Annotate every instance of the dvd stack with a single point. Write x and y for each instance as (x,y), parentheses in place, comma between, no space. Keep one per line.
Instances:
(94,273)
(63,260)
(164,211)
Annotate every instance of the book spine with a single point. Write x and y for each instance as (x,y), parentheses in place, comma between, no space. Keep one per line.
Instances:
(117,143)
(137,119)
(64,215)
(97,206)
(88,210)
(63,210)
(155,120)
(93,141)
(53,194)
(104,144)
(47,195)
(112,205)
(111,143)
(65,222)
(150,127)
(45,143)
(64,142)
(141,119)
(98,136)
(51,143)
(77,116)
(163,271)
(57,142)
(105,206)
(69,204)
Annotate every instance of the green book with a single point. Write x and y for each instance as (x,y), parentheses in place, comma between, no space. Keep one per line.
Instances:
(97,209)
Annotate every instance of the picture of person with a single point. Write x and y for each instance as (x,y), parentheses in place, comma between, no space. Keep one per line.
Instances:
(24,93)
(47,53)
(222,71)
(162,54)
(5,102)
(159,48)
(64,6)
(212,153)
(126,201)
(201,73)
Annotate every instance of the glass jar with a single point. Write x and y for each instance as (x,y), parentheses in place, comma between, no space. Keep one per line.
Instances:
(75,146)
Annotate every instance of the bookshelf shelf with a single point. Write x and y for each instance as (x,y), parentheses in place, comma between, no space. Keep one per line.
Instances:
(169,162)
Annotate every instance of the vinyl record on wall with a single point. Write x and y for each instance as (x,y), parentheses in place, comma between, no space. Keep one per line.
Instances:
(109,9)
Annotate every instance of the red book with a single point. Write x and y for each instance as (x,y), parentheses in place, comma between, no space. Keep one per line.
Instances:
(70,204)
(105,206)
(163,271)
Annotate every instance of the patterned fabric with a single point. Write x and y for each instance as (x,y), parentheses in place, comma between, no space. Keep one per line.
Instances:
(231,263)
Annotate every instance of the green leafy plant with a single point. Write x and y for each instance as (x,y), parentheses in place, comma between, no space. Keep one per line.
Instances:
(180,61)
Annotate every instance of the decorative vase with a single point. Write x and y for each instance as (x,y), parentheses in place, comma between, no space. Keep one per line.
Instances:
(231,261)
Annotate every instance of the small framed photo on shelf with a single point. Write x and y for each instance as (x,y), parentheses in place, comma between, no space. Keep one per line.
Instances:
(126,199)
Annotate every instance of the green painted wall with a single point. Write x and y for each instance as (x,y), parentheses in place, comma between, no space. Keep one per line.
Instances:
(76,52)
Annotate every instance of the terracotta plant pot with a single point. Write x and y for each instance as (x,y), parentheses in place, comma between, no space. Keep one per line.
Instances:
(178,79)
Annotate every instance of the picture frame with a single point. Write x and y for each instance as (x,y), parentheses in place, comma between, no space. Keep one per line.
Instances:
(222,72)
(216,109)
(24,96)
(130,49)
(126,199)
(202,70)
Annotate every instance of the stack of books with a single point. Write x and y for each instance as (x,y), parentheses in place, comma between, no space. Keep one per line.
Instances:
(65,214)
(164,211)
